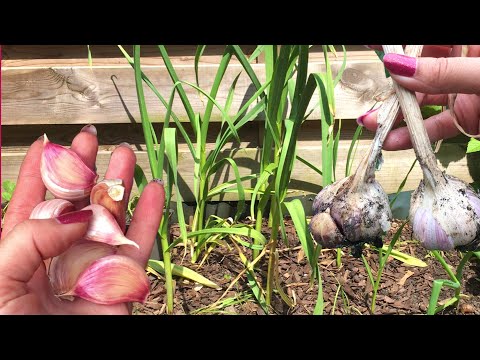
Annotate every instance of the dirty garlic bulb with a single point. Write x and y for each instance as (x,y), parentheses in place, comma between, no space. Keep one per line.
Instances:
(356,210)
(444,210)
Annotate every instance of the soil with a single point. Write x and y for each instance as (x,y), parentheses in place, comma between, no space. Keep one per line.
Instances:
(403,289)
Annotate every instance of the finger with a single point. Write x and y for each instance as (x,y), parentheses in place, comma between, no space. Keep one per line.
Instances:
(85,144)
(438,127)
(146,221)
(435,76)
(369,119)
(428,50)
(122,166)
(32,241)
(29,191)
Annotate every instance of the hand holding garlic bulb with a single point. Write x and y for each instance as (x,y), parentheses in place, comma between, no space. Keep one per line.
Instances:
(24,282)
(356,210)
(444,211)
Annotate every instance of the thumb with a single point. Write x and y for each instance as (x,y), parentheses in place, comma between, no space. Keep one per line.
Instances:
(31,241)
(435,75)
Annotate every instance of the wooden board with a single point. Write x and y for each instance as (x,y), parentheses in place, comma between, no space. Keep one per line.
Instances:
(81,95)
(107,55)
(304,180)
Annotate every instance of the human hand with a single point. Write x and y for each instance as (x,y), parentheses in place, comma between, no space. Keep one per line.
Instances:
(438,73)
(24,284)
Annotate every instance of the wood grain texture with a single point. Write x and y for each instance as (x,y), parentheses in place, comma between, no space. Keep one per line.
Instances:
(81,95)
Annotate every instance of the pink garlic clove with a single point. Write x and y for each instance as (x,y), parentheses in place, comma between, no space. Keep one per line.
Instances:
(104,228)
(65,269)
(64,173)
(51,208)
(113,279)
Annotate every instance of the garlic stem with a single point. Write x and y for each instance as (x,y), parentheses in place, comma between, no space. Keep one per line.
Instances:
(418,133)
(385,119)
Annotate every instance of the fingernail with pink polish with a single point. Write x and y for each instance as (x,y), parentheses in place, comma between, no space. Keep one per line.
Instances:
(400,64)
(360,118)
(158,181)
(89,129)
(75,217)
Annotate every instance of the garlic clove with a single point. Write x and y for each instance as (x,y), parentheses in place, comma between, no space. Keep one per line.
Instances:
(64,173)
(65,269)
(104,228)
(112,279)
(51,208)
(109,193)
(325,231)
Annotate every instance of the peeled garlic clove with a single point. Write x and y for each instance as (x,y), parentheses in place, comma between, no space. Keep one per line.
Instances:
(109,193)
(64,173)
(104,228)
(112,279)
(51,208)
(447,217)
(325,231)
(65,269)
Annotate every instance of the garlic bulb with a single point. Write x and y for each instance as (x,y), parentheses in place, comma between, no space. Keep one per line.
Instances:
(64,173)
(444,211)
(112,279)
(104,228)
(51,208)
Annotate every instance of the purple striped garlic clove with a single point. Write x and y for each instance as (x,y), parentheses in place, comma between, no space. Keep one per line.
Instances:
(51,208)
(65,269)
(64,173)
(111,280)
(104,228)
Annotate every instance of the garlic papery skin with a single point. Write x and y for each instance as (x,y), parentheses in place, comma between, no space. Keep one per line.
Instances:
(112,279)
(103,227)
(64,173)
(51,208)
(446,217)
(109,193)
(325,231)
(65,269)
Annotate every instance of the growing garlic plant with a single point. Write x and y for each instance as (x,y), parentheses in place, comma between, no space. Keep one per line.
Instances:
(356,210)
(444,210)
(90,269)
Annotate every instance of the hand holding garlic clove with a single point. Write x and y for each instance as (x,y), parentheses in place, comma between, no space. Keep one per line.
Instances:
(100,271)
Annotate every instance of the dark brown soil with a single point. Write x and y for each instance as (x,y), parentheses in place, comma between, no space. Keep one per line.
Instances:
(403,289)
